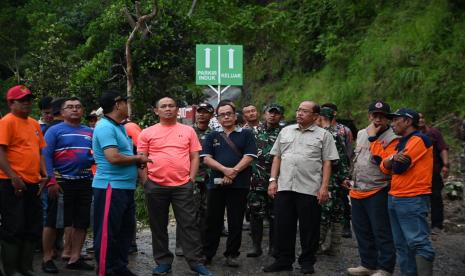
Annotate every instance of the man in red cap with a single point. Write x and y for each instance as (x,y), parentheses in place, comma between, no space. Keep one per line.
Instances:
(22,172)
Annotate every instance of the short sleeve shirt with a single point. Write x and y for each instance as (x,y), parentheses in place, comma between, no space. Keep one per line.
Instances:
(216,147)
(110,134)
(23,140)
(169,148)
(302,154)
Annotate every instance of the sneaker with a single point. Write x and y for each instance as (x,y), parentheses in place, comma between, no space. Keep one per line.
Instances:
(161,269)
(232,262)
(49,267)
(381,272)
(201,270)
(360,271)
(80,265)
(275,267)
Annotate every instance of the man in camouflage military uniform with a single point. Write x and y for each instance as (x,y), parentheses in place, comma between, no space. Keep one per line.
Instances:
(348,140)
(203,115)
(332,212)
(259,204)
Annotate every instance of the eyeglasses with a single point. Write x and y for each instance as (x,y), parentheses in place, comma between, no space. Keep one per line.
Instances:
(71,107)
(305,111)
(227,114)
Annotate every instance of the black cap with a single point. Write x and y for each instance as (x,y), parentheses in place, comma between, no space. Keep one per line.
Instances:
(109,98)
(379,107)
(206,106)
(406,113)
(274,106)
(56,105)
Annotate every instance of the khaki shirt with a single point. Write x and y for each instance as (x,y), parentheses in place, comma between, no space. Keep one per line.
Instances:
(302,155)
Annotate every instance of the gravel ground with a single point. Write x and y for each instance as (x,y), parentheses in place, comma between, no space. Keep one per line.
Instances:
(450,249)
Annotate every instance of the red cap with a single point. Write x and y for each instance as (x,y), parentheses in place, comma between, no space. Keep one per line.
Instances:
(17,92)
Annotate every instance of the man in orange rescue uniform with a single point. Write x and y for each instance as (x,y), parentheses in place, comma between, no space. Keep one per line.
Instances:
(411,168)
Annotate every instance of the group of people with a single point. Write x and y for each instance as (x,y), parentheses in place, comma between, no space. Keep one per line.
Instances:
(299,175)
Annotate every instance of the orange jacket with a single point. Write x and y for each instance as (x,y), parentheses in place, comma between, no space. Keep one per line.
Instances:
(414,179)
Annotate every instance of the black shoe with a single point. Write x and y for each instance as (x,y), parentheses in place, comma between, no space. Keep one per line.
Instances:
(49,267)
(80,265)
(133,249)
(275,267)
(346,231)
(232,262)
(256,252)
(307,270)
(207,261)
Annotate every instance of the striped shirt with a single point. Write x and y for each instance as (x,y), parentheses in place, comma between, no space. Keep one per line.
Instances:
(68,154)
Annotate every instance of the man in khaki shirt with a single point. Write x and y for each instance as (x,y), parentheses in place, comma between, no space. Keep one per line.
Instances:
(302,159)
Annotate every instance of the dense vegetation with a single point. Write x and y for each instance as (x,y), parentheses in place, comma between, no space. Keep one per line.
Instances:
(409,53)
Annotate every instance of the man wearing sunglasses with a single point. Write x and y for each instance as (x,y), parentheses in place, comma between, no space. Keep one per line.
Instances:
(22,172)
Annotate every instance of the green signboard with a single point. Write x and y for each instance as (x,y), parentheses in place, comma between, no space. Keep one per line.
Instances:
(218,64)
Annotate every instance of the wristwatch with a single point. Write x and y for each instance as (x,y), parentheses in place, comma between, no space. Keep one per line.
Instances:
(272,179)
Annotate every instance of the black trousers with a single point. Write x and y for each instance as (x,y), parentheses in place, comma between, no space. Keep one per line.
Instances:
(159,198)
(21,216)
(235,201)
(291,207)
(114,220)
(437,206)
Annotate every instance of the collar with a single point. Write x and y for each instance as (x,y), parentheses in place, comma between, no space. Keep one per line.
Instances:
(112,121)
(312,127)
(237,129)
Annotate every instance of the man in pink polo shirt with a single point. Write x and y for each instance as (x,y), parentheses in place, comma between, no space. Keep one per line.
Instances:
(174,149)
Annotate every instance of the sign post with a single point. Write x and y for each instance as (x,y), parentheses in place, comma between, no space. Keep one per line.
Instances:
(218,65)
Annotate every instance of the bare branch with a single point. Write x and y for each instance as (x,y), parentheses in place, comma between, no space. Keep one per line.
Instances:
(114,77)
(191,11)
(141,23)
(129,18)
(137,5)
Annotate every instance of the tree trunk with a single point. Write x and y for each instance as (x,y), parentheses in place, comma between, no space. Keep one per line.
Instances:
(137,25)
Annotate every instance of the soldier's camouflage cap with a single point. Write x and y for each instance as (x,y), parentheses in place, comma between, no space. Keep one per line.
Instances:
(274,106)
(327,112)
(205,106)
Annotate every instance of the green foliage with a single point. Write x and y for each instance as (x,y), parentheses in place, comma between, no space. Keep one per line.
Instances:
(348,52)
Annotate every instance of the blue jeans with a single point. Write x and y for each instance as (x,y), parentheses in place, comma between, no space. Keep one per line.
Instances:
(372,229)
(410,230)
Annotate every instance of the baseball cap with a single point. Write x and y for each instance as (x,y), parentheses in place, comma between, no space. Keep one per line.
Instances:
(274,106)
(109,98)
(327,112)
(379,107)
(206,106)
(18,92)
(406,113)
